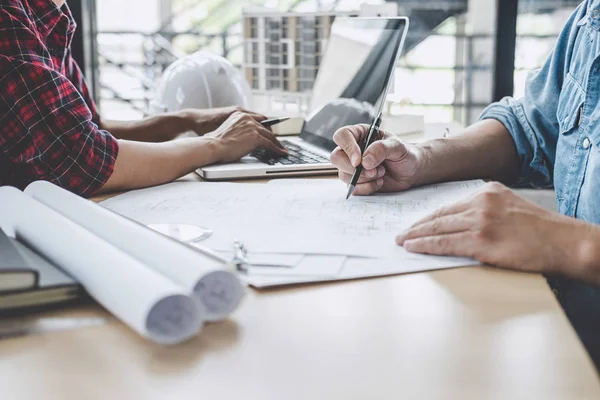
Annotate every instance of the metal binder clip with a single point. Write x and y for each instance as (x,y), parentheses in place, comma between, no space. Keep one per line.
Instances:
(240,257)
(241,263)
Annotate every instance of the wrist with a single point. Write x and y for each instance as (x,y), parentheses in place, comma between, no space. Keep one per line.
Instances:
(587,252)
(213,148)
(423,156)
(161,128)
(183,121)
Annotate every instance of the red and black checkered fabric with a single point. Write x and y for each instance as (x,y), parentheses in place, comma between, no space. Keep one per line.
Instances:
(48,121)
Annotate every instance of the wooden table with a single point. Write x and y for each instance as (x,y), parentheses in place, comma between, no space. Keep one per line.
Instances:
(471,333)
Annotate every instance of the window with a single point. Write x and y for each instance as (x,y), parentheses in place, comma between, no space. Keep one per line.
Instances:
(284,28)
(449,51)
(284,53)
(538,26)
(254,53)
(255,79)
(446,70)
(253,27)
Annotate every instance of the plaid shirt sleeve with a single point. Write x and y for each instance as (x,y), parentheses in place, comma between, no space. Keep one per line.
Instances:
(75,75)
(47,129)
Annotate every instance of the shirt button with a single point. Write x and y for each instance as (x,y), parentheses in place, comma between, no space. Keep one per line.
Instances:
(596,13)
(586,143)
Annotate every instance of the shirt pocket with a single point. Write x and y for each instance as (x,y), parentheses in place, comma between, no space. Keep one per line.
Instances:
(571,100)
(569,115)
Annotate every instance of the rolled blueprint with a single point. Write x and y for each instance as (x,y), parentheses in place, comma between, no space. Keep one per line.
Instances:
(218,290)
(143,299)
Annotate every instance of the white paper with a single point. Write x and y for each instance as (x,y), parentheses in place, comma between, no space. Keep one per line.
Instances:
(292,265)
(145,300)
(225,208)
(400,262)
(309,266)
(318,219)
(330,182)
(206,204)
(268,259)
(299,218)
(220,291)
(302,217)
(266,281)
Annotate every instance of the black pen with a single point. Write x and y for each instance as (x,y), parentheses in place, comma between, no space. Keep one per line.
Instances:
(270,122)
(371,137)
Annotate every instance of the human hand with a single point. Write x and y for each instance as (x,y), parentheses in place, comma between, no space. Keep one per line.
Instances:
(389,164)
(497,227)
(241,134)
(202,121)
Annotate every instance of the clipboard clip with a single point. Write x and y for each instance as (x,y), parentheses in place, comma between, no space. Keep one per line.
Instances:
(241,263)
(240,257)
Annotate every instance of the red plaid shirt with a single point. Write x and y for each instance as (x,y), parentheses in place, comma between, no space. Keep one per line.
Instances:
(48,121)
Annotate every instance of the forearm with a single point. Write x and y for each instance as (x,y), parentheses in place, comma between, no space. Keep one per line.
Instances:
(141,165)
(160,128)
(484,150)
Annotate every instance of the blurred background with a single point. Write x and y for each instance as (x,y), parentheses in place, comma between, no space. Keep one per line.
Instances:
(459,54)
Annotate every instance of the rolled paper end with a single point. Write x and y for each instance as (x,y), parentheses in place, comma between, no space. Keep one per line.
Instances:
(174,319)
(220,292)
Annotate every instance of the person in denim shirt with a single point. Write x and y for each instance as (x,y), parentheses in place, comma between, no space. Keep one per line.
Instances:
(549,138)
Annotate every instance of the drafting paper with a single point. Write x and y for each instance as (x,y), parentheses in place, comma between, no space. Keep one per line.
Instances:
(308,217)
(294,219)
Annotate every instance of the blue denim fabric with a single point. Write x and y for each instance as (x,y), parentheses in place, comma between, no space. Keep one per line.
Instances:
(556,130)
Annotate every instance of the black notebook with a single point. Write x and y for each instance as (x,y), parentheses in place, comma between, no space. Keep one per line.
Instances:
(28,280)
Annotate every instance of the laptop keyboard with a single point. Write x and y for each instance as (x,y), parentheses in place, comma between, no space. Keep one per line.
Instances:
(296,155)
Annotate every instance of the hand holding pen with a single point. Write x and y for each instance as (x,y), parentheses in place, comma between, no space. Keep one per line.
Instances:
(372,135)
(388,164)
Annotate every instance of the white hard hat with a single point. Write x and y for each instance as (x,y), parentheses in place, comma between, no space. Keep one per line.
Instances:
(201,80)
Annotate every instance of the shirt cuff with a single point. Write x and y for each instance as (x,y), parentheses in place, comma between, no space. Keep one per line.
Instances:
(90,163)
(106,166)
(533,167)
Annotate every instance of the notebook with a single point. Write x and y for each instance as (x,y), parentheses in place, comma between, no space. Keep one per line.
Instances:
(28,280)
(14,271)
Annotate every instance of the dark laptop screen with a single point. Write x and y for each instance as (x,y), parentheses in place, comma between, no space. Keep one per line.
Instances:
(353,76)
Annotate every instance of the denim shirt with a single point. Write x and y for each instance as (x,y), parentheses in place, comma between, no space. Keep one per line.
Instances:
(556,130)
(556,125)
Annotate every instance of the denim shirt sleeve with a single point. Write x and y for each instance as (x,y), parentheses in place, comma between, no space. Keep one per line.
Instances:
(532,121)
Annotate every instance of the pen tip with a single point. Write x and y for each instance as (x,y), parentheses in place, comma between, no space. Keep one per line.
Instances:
(350,191)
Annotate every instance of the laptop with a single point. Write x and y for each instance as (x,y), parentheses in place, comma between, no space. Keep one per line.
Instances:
(354,75)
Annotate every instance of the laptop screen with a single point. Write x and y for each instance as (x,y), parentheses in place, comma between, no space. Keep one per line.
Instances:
(353,76)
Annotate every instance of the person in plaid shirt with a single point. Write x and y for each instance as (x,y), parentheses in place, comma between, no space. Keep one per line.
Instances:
(50,128)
